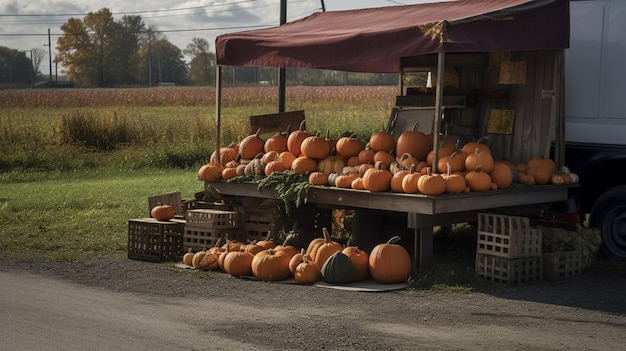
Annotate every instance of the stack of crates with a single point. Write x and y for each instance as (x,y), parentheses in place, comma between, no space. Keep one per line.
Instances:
(205,227)
(509,250)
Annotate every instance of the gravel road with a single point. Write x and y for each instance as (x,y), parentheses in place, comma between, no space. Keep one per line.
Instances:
(112,304)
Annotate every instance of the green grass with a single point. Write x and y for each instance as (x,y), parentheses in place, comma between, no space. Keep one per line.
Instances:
(68,216)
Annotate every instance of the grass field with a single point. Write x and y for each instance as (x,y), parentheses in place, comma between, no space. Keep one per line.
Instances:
(75,165)
(162,127)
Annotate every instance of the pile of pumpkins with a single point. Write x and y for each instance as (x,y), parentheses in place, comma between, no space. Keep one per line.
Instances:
(384,163)
(323,259)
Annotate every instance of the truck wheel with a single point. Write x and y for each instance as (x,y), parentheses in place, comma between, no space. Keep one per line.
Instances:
(609,215)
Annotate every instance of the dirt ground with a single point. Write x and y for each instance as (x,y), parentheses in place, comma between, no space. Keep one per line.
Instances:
(587,312)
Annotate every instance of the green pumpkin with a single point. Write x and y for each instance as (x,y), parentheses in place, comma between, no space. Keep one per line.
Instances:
(331,178)
(338,269)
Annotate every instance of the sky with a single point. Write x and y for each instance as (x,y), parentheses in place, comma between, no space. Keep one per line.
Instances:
(24,24)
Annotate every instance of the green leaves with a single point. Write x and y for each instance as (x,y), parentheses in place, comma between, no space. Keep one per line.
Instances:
(291,187)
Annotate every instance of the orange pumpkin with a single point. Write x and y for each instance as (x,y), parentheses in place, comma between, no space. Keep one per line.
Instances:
(479,158)
(382,141)
(326,249)
(269,265)
(315,147)
(238,263)
(377,179)
(414,142)
(286,158)
(471,146)
(360,262)
(349,146)
(455,182)
(478,180)
(307,272)
(431,183)
(409,182)
(389,262)
(304,164)
(251,145)
(277,142)
(501,175)
(227,154)
(162,212)
(295,139)
(366,155)
(318,178)
(210,173)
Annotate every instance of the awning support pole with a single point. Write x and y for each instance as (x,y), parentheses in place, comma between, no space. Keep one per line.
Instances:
(438,108)
(218,111)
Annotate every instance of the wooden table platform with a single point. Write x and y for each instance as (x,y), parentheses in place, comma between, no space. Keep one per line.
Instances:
(424,211)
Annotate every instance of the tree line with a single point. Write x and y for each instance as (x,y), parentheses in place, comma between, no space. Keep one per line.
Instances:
(100,51)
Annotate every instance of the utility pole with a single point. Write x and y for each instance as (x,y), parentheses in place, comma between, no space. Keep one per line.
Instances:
(323,6)
(50,56)
(282,80)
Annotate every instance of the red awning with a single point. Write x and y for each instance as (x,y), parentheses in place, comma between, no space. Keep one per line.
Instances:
(377,39)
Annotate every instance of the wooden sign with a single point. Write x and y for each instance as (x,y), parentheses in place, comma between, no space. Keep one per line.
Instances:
(276,122)
(501,121)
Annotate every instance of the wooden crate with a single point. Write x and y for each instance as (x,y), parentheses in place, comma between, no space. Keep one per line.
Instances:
(562,265)
(200,238)
(507,236)
(214,219)
(155,241)
(509,271)
(257,222)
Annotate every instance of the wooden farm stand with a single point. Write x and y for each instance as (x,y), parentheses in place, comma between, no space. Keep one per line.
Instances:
(497,69)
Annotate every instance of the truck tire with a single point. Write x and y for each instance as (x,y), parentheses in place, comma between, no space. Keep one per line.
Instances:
(609,216)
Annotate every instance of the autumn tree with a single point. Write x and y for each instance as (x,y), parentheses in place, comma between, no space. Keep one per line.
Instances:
(202,62)
(100,51)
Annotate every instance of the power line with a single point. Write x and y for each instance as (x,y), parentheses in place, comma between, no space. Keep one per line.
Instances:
(122,13)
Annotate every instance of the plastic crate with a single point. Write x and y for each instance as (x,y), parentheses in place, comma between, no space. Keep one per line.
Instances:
(508,236)
(155,241)
(509,271)
(214,219)
(562,265)
(200,238)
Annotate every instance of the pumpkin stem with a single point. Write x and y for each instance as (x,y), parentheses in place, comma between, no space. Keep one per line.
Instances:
(303,125)
(394,240)
(327,237)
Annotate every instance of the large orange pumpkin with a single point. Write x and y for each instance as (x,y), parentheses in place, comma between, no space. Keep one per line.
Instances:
(414,142)
(270,265)
(315,147)
(389,262)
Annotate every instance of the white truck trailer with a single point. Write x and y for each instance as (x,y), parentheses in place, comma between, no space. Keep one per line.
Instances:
(595,115)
